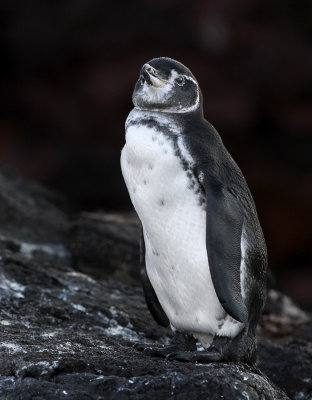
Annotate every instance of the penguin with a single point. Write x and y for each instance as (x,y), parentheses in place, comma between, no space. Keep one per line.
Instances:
(203,253)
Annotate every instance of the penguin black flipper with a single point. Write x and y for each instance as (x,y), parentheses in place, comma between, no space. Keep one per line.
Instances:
(149,293)
(224,224)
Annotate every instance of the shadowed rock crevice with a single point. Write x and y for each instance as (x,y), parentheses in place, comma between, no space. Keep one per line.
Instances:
(72,308)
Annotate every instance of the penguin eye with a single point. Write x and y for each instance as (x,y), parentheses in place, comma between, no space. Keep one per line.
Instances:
(179,80)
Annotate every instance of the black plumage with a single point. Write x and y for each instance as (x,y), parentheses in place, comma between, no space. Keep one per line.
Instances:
(221,189)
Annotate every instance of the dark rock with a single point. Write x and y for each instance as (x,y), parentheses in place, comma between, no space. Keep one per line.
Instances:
(29,212)
(66,92)
(106,245)
(66,334)
(285,351)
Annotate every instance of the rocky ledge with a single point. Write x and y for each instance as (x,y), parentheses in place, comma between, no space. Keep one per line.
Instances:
(72,310)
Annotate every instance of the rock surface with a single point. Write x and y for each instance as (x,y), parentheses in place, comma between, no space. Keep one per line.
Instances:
(72,310)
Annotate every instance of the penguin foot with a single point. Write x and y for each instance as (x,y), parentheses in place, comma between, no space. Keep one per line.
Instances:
(181,343)
(215,352)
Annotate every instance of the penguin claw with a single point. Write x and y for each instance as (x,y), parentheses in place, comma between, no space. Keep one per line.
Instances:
(208,357)
(170,356)
(180,343)
(162,352)
(195,356)
(148,350)
(186,356)
(139,346)
(155,352)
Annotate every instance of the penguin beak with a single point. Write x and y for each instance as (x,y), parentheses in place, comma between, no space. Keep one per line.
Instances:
(151,76)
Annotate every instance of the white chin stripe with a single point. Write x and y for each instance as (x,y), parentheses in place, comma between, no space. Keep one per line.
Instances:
(158,83)
(159,92)
(152,94)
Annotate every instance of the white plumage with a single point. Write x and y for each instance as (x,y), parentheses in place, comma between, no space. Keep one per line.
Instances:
(174,226)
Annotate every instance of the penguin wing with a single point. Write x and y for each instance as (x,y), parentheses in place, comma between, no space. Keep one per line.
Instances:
(224,224)
(149,293)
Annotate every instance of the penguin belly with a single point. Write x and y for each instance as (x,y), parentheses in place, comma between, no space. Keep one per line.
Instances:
(174,228)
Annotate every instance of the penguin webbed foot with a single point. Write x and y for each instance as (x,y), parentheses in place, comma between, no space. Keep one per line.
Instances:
(180,343)
(215,352)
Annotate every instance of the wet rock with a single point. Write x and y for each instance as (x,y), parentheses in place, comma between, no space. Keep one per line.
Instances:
(65,334)
(69,333)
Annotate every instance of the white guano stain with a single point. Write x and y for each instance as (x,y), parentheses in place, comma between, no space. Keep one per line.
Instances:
(5,322)
(58,250)
(12,347)
(79,307)
(13,288)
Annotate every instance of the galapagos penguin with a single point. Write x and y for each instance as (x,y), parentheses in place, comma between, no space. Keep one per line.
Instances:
(204,259)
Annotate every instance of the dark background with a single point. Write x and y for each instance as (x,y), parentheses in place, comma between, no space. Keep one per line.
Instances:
(67,73)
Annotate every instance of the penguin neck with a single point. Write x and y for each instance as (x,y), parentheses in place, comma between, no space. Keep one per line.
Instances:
(153,118)
(139,113)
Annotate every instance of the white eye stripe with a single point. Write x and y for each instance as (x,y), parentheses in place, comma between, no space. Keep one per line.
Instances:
(174,75)
(159,94)
(189,78)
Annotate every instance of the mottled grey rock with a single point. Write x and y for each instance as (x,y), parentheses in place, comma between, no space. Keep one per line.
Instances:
(68,334)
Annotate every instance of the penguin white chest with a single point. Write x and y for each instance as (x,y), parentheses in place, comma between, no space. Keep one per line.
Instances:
(163,193)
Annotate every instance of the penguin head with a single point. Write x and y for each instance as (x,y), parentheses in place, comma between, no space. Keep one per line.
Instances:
(166,85)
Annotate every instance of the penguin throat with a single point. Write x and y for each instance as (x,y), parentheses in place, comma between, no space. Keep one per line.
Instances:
(171,110)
